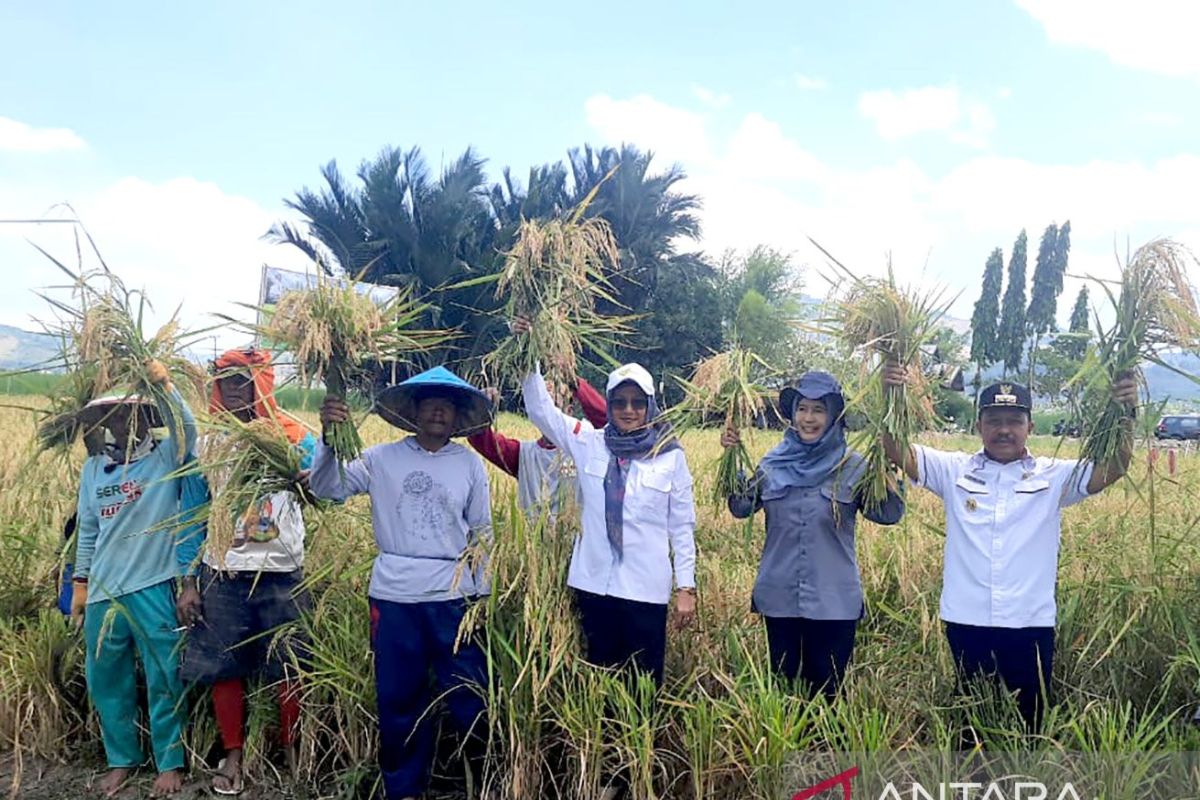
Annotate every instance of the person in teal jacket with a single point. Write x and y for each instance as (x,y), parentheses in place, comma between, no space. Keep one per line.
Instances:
(125,567)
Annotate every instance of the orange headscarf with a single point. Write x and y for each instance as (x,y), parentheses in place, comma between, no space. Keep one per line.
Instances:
(258,362)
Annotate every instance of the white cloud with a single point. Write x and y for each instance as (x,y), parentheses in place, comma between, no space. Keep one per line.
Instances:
(19,137)
(186,243)
(761,186)
(1152,35)
(710,98)
(651,124)
(931,108)
(810,83)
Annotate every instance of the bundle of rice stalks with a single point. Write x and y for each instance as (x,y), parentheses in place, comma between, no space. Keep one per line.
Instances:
(332,329)
(554,276)
(104,348)
(1155,310)
(245,462)
(886,324)
(729,386)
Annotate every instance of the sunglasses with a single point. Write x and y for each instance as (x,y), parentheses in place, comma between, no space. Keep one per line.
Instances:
(636,403)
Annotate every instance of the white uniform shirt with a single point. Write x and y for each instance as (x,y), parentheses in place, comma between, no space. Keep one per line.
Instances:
(659,516)
(1002,533)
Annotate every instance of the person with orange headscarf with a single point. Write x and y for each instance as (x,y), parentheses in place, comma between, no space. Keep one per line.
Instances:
(238,608)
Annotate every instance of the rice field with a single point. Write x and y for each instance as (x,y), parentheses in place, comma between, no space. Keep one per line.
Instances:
(1126,673)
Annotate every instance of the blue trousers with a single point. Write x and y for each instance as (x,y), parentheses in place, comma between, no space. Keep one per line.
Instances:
(623,633)
(1021,659)
(816,650)
(415,664)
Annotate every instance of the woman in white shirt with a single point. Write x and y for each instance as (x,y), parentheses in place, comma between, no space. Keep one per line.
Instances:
(638,521)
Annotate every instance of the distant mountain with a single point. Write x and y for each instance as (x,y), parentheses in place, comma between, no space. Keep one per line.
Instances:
(1167,385)
(21,349)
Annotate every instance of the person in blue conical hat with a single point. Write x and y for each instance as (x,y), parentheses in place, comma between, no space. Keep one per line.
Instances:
(431,514)
(808,588)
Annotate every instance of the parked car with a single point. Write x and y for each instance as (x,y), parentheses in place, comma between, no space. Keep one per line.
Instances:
(1178,426)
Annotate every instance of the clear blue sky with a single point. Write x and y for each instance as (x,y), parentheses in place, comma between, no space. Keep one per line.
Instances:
(934,129)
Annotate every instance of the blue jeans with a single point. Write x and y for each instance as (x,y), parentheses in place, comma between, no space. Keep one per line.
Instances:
(415,664)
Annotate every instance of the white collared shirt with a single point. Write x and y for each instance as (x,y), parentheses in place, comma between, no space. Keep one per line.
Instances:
(1002,533)
(659,514)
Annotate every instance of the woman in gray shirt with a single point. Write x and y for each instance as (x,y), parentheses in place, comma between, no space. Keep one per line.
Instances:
(808,588)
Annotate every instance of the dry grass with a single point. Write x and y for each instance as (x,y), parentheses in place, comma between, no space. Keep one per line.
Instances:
(1155,310)
(554,276)
(1126,672)
(884,323)
(244,463)
(332,332)
(727,385)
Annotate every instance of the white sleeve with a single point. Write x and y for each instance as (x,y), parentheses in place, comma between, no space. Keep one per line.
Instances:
(564,431)
(1073,477)
(936,469)
(331,481)
(681,525)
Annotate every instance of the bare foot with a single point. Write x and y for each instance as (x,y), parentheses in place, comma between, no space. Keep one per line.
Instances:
(169,782)
(228,778)
(113,781)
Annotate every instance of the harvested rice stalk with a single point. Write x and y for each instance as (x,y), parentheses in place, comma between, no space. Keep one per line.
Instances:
(104,348)
(553,276)
(245,462)
(332,329)
(728,385)
(886,323)
(1155,310)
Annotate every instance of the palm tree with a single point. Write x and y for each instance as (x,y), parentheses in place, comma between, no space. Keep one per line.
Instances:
(402,227)
(646,214)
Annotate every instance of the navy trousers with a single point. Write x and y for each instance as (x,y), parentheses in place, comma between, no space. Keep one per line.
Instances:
(415,663)
(619,632)
(815,650)
(1021,659)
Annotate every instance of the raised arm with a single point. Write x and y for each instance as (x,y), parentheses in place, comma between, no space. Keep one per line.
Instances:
(330,480)
(181,422)
(500,450)
(561,429)
(1124,394)
(889,512)
(894,378)
(745,503)
(594,405)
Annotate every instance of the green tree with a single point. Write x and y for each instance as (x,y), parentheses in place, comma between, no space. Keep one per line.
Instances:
(649,217)
(1048,275)
(985,345)
(679,329)
(762,303)
(1063,358)
(402,226)
(1011,334)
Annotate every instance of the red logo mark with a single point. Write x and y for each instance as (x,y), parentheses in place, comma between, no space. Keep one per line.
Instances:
(843,780)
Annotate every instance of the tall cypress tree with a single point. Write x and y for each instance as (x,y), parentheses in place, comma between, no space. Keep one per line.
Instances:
(1080,325)
(1011,337)
(1043,299)
(985,319)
